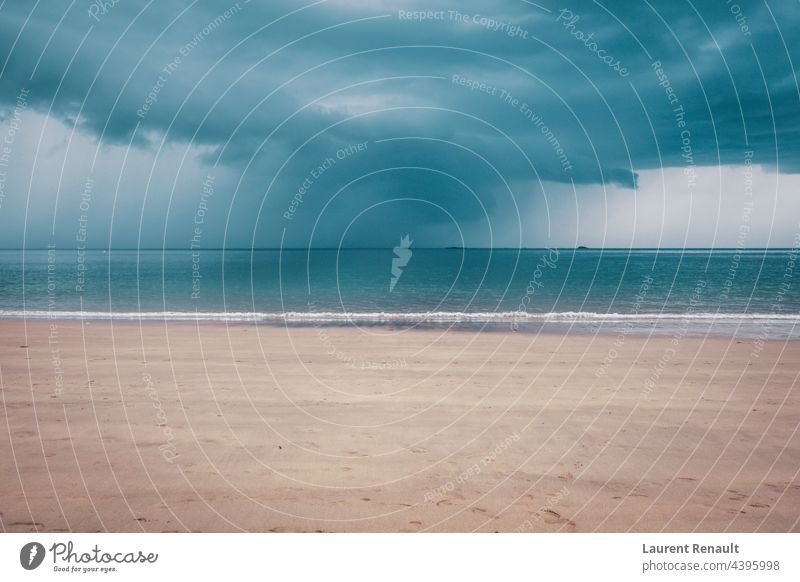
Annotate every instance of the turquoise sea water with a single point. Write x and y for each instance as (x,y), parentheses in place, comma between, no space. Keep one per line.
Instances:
(748,292)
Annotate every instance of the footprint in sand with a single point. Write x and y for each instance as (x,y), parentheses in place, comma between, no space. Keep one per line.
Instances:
(551,516)
(554,518)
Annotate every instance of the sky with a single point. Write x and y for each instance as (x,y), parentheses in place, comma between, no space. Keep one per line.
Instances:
(207,124)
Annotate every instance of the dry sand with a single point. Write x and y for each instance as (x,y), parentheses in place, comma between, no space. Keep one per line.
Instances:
(215,428)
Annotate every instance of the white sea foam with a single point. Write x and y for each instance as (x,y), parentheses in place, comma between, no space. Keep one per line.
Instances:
(391,317)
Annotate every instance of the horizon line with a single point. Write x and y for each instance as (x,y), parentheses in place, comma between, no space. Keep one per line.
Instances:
(578,248)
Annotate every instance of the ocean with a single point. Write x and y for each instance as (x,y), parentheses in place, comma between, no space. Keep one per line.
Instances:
(748,293)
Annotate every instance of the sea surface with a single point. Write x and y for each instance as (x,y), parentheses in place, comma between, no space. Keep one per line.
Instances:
(753,293)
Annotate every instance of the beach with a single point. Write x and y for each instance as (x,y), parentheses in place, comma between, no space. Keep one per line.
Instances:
(211,427)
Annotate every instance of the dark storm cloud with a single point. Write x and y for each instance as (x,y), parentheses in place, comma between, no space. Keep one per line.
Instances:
(499,97)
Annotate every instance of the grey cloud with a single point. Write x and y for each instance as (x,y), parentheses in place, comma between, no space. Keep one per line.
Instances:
(553,98)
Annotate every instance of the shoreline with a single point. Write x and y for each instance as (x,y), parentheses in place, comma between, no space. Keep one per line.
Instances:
(778,330)
(190,426)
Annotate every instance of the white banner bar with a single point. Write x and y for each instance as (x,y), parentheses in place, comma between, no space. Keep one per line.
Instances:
(400,557)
